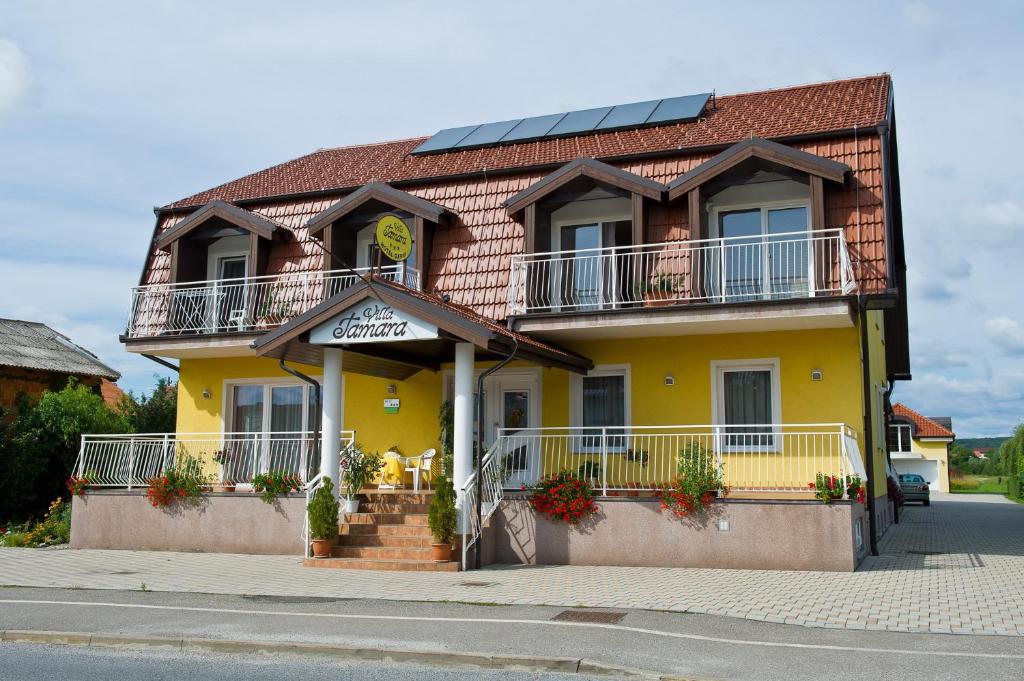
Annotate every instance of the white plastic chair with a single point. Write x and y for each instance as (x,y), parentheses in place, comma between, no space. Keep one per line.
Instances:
(416,464)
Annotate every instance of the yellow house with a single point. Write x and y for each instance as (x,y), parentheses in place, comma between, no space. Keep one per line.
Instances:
(920,444)
(608,292)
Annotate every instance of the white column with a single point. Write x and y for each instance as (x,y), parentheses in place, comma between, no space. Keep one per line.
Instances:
(463,408)
(331,422)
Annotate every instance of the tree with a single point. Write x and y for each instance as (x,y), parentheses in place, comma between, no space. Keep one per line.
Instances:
(156,413)
(38,448)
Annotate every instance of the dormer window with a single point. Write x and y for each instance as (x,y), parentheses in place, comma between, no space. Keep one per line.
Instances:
(899,438)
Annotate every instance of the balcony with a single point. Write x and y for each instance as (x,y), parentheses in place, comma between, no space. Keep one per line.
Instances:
(248,304)
(789,266)
(763,459)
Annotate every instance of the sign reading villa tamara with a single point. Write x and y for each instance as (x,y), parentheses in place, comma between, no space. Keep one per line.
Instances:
(393,238)
(371,322)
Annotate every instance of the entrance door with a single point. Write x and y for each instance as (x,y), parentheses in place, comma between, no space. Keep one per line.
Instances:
(231,296)
(512,405)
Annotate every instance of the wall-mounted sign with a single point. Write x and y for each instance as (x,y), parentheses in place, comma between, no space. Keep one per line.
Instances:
(391,405)
(371,321)
(393,238)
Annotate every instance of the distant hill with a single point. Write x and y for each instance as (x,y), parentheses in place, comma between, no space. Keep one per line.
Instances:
(981,442)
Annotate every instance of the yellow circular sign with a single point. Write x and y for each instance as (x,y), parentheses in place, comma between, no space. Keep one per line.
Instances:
(393,238)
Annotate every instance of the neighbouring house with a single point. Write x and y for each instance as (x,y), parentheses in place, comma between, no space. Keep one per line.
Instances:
(920,444)
(982,452)
(619,290)
(35,358)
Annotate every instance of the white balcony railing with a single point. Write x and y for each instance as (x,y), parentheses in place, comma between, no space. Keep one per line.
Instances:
(754,458)
(131,460)
(734,269)
(245,304)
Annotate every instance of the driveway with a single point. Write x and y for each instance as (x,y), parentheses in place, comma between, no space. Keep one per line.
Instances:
(954,567)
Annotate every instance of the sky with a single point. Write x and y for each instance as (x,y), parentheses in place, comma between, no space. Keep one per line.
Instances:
(110,108)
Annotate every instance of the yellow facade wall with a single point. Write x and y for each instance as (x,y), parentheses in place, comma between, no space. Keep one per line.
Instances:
(879,382)
(936,451)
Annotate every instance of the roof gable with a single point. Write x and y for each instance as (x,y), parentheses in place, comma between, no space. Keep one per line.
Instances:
(245,219)
(378,191)
(762,149)
(922,425)
(584,167)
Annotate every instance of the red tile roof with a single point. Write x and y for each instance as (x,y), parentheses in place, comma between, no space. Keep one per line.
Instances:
(781,113)
(923,426)
(111,392)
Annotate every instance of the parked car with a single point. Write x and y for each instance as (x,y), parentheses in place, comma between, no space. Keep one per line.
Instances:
(915,488)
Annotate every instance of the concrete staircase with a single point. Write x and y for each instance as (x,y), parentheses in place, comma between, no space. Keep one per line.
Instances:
(389,533)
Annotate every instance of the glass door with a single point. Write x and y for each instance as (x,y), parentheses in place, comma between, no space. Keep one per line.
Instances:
(742,254)
(579,278)
(766,253)
(789,259)
(284,450)
(746,408)
(241,448)
(231,297)
(520,453)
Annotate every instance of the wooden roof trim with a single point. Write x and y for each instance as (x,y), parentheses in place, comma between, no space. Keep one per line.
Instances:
(379,191)
(245,219)
(757,147)
(445,320)
(584,167)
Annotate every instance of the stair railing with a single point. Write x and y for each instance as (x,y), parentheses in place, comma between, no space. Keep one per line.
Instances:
(492,470)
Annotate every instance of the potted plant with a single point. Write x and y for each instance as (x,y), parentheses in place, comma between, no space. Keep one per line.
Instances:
(223,457)
(660,289)
(442,519)
(323,519)
(358,468)
(590,471)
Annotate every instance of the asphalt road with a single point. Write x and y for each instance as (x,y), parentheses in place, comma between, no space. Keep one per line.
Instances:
(690,646)
(29,662)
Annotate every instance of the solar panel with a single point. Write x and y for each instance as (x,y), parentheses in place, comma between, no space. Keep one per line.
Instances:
(634,115)
(679,108)
(628,115)
(532,128)
(579,121)
(488,133)
(445,140)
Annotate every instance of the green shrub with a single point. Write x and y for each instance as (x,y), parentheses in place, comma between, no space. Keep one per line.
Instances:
(274,484)
(358,469)
(442,517)
(323,512)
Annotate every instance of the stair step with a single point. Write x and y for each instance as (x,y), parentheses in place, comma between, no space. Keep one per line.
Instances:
(398,497)
(382,552)
(390,507)
(417,542)
(391,565)
(386,518)
(383,530)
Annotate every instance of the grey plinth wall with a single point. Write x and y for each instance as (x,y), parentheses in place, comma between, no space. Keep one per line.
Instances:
(776,535)
(220,523)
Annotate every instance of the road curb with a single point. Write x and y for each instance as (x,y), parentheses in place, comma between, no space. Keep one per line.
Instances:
(529,663)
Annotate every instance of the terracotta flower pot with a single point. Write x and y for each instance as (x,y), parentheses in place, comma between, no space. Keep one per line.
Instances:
(441,553)
(658,298)
(322,548)
(224,487)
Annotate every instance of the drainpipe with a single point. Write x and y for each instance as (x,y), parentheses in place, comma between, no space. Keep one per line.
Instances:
(888,455)
(161,360)
(478,510)
(316,388)
(868,435)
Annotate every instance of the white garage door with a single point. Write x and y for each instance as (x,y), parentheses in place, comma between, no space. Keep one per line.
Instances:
(926,468)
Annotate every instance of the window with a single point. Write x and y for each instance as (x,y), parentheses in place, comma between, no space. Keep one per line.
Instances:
(766,252)
(899,437)
(367,251)
(747,400)
(583,276)
(601,401)
(271,407)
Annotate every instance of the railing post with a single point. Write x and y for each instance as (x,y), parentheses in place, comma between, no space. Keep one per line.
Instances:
(604,462)
(721,268)
(131,461)
(163,456)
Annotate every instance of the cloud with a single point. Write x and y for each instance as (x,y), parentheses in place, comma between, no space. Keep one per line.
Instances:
(14,75)
(1006,334)
(995,223)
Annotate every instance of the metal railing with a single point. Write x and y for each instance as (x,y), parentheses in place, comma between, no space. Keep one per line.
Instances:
(239,305)
(733,269)
(751,458)
(230,458)
(492,487)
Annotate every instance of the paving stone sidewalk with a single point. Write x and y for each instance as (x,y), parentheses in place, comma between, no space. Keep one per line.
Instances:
(955,567)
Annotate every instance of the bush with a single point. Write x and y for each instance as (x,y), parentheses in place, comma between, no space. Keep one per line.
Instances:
(55,528)
(698,483)
(442,517)
(323,512)
(274,484)
(358,469)
(155,413)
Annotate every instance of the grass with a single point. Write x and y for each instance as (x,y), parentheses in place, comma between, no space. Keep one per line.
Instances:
(979,484)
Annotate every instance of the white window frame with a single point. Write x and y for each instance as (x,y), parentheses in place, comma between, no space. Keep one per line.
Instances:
(718,370)
(900,426)
(228,407)
(598,214)
(765,207)
(576,399)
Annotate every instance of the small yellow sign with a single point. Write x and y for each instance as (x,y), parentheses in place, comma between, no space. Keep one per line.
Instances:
(393,238)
